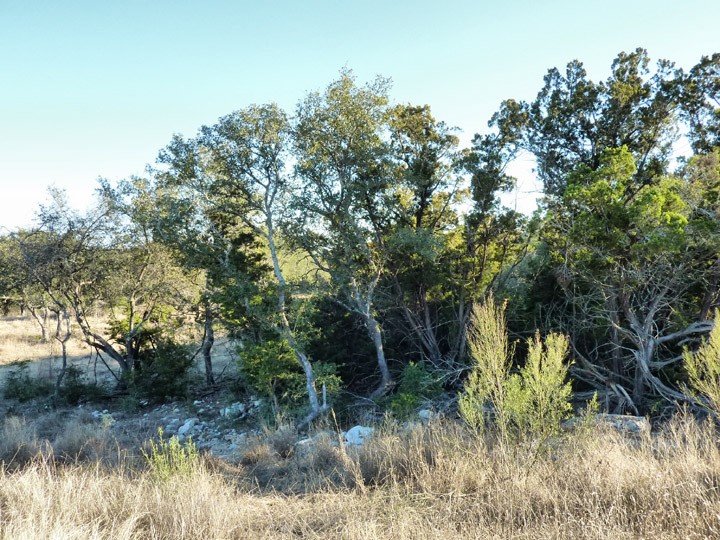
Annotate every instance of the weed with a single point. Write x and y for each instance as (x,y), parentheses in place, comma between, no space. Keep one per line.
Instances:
(168,458)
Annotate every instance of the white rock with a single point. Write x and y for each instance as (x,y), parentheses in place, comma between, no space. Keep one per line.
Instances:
(187,426)
(357,435)
(235,409)
(619,422)
(425,415)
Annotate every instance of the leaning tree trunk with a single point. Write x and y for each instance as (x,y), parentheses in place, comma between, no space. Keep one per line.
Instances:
(315,408)
(375,333)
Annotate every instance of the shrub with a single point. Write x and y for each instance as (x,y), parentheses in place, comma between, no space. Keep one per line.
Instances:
(490,354)
(272,370)
(531,402)
(75,389)
(703,368)
(21,386)
(416,384)
(168,458)
(164,374)
(538,398)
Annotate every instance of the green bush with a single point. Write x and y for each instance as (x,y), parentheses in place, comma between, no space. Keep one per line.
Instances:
(164,374)
(416,384)
(703,368)
(272,370)
(21,386)
(75,389)
(532,402)
(168,458)
(486,386)
(538,399)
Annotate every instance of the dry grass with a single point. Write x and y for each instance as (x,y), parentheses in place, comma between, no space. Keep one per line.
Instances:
(435,482)
(20,341)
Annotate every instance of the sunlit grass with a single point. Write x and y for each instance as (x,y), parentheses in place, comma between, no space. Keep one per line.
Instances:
(20,341)
(429,482)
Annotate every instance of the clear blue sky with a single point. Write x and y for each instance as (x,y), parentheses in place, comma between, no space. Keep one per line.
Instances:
(95,88)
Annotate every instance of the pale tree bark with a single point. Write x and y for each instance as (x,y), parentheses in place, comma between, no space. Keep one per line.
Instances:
(63,339)
(315,408)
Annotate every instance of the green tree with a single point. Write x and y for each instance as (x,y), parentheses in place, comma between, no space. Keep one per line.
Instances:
(240,167)
(627,260)
(102,259)
(341,212)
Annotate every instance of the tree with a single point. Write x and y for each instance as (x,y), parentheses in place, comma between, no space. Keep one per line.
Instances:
(573,119)
(422,242)
(701,104)
(102,258)
(622,256)
(342,161)
(239,166)
(627,261)
(226,259)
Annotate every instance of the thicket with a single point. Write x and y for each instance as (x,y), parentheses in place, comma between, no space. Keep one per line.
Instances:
(346,249)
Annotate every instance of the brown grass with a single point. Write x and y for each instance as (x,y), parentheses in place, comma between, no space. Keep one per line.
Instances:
(20,341)
(431,482)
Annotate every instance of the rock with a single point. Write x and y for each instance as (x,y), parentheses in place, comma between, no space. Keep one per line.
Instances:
(235,409)
(425,415)
(620,422)
(198,402)
(187,426)
(357,435)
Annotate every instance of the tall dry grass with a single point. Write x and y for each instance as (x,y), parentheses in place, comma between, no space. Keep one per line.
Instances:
(431,482)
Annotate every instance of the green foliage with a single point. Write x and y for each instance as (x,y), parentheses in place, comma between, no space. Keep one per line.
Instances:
(273,370)
(532,402)
(703,368)
(416,384)
(169,458)
(538,398)
(491,359)
(75,389)
(23,387)
(164,373)
(403,405)
(417,380)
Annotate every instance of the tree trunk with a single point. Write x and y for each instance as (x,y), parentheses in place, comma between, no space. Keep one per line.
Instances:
(42,320)
(207,345)
(63,344)
(315,408)
(375,333)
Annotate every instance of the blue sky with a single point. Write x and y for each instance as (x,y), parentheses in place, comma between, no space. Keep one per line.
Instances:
(96,88)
